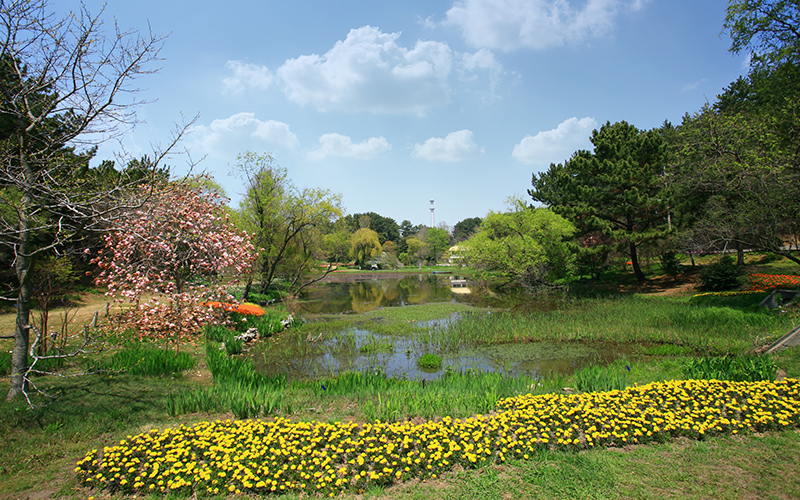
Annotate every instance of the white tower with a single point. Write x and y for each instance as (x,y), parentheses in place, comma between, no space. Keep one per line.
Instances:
(433,219)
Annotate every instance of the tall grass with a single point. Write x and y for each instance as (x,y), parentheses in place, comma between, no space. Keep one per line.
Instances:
(749,368)
(149,361)
(598,378)
(624,320)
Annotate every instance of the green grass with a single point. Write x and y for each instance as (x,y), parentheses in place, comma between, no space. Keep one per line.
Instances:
(41,446)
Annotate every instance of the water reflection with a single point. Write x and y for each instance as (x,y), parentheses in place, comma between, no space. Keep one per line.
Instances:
(361,293)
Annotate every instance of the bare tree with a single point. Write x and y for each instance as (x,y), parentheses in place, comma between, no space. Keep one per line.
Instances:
(65,87)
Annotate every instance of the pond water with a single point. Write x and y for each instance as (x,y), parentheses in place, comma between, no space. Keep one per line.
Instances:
(359,293)
(362,350)
(358,349)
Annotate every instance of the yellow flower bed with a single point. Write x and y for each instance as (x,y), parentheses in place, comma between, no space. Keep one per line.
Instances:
(280,455)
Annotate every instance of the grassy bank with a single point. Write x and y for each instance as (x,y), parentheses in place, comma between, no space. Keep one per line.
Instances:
(44,444)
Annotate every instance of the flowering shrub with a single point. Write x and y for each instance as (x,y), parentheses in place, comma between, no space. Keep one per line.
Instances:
(173,252)
(260,457)
(767,282)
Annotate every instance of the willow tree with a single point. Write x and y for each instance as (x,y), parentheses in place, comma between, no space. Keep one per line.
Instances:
(284,220)
(62,83)
(619,188)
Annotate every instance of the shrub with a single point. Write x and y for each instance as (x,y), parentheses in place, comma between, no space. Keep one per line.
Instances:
(722,275)
(670,264)
(431,361)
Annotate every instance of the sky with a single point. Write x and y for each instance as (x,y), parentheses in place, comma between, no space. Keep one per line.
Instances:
(394,104)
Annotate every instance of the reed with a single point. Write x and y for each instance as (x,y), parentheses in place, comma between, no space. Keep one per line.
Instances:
(750,368)
(148,361)
(627,319)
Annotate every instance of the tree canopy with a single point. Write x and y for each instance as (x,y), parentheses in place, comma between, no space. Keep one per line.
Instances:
(618,189)
(529,245)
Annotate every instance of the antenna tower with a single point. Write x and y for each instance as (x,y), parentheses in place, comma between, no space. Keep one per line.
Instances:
(433,219)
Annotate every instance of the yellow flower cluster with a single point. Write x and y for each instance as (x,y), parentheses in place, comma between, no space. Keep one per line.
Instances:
(280,455)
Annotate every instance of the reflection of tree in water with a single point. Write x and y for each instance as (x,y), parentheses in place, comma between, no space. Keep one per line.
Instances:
(371,294)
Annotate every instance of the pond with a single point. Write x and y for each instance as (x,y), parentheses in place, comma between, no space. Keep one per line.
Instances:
(361,350)
(356,348)
(359,293)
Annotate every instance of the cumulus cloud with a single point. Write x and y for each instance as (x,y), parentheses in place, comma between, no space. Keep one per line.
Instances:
(241,132)
(537,24)
(370,71)
(246,76)
(557,144)
(342,146)
(455,147)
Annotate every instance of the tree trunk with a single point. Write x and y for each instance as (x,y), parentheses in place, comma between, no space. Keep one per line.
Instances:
(739,254)
(635,263)
(19,356)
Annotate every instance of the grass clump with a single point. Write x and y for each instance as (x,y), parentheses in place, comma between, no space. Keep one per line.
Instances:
(147,360)
(430,361)
(750,368)
(598,378)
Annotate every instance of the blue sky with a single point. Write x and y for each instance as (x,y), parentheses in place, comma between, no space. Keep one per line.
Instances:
(393,104)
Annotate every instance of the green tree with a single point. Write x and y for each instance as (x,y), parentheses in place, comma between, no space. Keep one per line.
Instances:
(618,189)
(61,80)
(285,220)
(364,245)
(769,29)
(438,241)
(386,227)
(529,245)
(466,228)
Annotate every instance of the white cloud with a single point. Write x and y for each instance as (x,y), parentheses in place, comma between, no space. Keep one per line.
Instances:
(246,76)
(537,24)
(455,147)
(557,144)
(342,146)
(369,71)
(241,132)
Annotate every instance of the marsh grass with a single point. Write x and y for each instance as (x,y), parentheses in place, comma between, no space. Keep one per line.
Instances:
(599,378)
(623,320)
(749,368)
(148,360)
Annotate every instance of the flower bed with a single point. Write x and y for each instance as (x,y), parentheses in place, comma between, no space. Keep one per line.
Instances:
(767,282)
(260,457)
(247,309)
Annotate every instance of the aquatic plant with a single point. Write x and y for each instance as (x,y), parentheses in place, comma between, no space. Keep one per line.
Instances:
(430,360)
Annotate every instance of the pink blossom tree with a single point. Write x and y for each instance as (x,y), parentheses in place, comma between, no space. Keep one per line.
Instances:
(172,257)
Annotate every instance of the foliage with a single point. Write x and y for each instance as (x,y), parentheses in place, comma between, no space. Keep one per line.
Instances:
(430,360)
(529,245)
(750,368)
(53,279)
(765,28)
(61,79)
(386,227)
(618,189)
(364,245)
(176,250)
(466,228)
(670,264)
(437,241)
(286,221)
(721,275)
(352,456)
